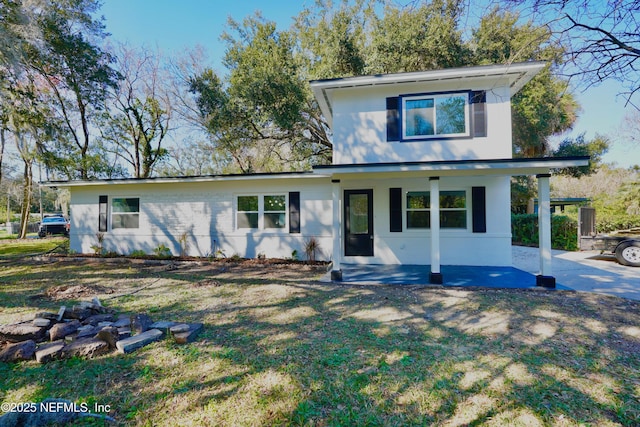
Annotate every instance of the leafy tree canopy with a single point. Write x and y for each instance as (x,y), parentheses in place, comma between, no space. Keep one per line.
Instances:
(265,99)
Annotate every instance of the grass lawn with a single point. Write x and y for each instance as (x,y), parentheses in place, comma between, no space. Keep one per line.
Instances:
(12,248)
(280,348)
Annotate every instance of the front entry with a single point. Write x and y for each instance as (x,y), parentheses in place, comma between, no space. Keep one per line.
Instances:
(358,224)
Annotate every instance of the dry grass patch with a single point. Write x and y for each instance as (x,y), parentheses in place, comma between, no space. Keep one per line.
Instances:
(280,348)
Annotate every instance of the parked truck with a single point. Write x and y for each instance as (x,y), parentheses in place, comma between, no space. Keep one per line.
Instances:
(625,245)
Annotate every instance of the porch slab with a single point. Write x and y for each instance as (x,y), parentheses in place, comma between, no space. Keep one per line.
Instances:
(454,275)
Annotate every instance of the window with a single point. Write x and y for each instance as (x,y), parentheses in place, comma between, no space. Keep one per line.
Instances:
(435,116)
(453,209)
(274,211)
(247,212)
(125,213)
(418,209)
(262,212)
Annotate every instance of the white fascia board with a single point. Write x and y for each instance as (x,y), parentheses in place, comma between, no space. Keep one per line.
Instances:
(184,180)
(463,168)
(518,75)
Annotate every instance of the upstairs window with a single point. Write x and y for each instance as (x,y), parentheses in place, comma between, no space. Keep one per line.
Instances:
(435,116)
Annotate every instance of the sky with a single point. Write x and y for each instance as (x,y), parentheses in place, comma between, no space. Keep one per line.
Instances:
(173,26)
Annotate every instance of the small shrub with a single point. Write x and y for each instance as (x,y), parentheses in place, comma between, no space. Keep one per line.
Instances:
(294,255)
(138,253)
(99,247)
(184,244)
(162,252)
(311,247)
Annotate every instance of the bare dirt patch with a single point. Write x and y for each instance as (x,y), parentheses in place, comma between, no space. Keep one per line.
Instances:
(74,292)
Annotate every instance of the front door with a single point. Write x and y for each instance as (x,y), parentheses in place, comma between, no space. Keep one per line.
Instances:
(358,224)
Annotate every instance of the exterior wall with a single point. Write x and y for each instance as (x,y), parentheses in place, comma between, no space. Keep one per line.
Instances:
(360,122)
(458,247)
(205,214)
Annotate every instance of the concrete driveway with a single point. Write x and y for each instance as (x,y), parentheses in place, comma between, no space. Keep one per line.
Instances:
(584,271)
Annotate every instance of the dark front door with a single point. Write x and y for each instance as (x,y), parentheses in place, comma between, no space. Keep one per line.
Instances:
(358,224)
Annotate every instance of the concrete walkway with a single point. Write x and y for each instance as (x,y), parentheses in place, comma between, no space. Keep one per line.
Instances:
(580,271)
(584,271)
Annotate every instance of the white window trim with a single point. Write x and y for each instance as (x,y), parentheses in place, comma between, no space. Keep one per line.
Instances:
(261,212)
(469,219)
(467,114)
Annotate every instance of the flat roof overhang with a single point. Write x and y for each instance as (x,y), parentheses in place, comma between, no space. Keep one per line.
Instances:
(515,75)
(443,168)
(185,179)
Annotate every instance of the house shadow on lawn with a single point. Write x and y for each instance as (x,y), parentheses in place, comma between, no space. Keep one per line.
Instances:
(288,350)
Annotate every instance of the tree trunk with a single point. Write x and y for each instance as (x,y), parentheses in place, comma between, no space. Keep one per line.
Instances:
(2,142)
(26,199)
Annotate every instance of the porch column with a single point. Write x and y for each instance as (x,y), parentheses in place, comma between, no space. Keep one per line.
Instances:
(544,232)
(435,276)
(336,271)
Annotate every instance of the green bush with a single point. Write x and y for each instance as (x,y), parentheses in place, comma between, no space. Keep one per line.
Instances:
(606,223)
(564,231)
(162,252)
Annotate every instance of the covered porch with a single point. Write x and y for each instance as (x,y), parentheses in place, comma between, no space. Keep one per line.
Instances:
(433,271)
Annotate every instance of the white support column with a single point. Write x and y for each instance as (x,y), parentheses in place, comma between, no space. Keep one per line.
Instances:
(434,187)
(336,270)
(544,232)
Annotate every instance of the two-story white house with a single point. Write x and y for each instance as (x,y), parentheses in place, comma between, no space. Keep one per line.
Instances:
(421,170)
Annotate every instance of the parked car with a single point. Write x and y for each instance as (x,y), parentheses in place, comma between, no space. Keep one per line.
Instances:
(53,224)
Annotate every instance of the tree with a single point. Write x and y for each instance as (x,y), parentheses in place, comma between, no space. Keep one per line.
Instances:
(420,38)
(79,74)
(602,38)
(594,148)
(543,107)
(261,115)
(265,102)
(136,120)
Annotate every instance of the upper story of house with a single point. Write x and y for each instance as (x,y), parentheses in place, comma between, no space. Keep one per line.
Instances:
(452,114)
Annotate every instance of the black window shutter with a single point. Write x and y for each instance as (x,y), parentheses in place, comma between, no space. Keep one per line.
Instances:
(393,119)
(479,113)
(479,209)
(395,209)
(294,212)
(103,210)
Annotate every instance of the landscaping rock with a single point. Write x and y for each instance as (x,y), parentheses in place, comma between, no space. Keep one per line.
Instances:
(85,347)
(46,315)
(50,351)
(97,318)
(130,344)
(40,322)
(140,323)
(21,332)
(61,330)
(189,335)
(19,351)
(182,327)
(78,313)
(61,313)
(122,321)
(87,331)
(124,332)
(110,335)
(163,325)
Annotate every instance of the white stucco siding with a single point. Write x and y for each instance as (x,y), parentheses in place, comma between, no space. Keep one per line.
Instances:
(204,215)
(360,123)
